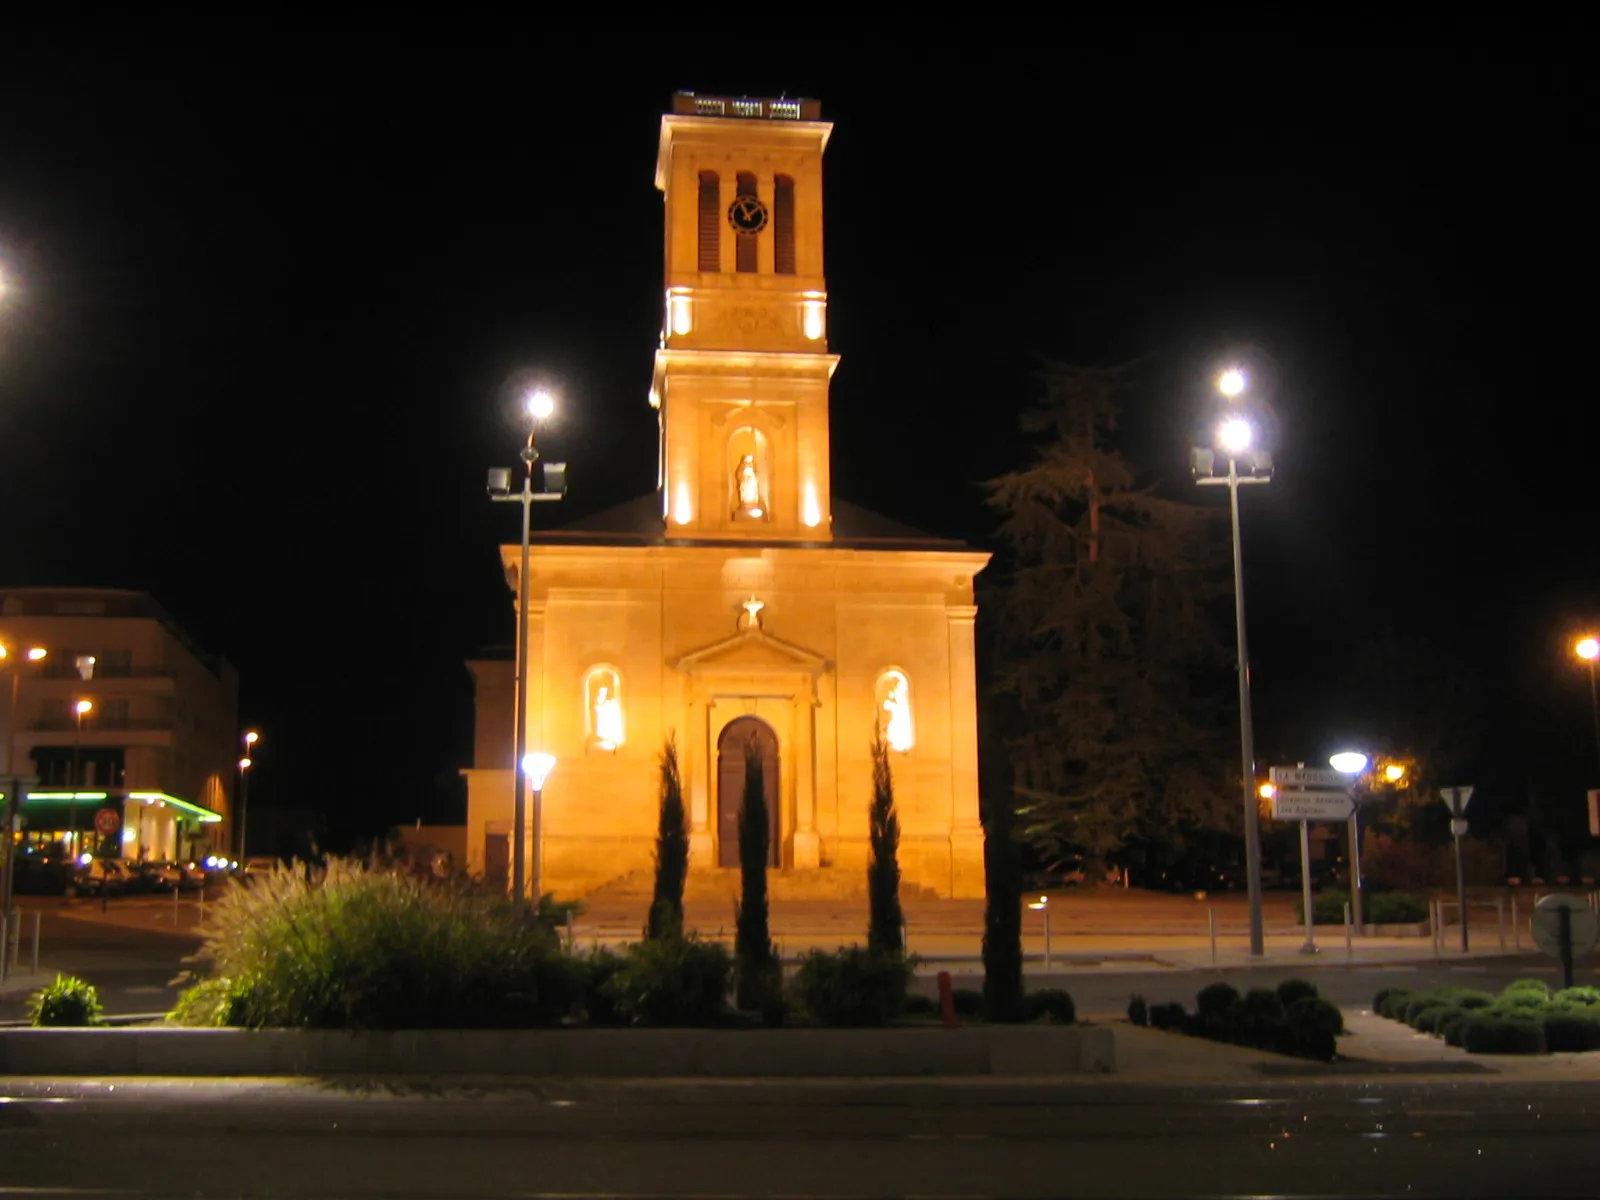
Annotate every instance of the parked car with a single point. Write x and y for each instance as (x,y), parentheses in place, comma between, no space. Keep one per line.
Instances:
(43,875)
(260,864)
(100,877)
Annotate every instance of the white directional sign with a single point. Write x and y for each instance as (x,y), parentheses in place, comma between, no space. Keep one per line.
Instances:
(1308,777)
(1457,798)
(1583,927)
(1312,806)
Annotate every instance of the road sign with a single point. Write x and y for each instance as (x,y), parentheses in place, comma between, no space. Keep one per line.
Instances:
(1312,806)
(1583,929)
(106,821)
(1308,777)
(1457,798)
(1458,827)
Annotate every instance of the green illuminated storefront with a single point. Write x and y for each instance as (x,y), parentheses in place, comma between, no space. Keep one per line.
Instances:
(137,826)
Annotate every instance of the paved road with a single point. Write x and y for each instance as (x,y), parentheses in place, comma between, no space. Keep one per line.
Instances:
(900,1139)
(134,969)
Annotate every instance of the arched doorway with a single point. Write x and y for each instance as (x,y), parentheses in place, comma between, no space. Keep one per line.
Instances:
(736,736)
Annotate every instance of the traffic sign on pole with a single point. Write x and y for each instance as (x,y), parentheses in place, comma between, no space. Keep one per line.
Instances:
(1308,777)
(1457,799)
(1312,806)
(1565,927)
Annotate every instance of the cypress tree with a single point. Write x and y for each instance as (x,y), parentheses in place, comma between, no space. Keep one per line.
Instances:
(1002,914)
(886,921)
(672,850)
(752,947)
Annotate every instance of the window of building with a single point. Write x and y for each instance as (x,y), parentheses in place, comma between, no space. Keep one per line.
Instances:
(894,710)
(783,225)
(602,705)
(749,475)
(710,222)
(746,244)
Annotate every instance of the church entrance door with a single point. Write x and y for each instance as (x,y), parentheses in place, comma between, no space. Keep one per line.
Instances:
(736,736)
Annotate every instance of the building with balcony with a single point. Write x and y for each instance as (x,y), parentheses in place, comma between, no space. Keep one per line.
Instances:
(146,770)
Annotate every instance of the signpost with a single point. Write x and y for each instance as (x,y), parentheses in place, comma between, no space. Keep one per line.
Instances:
(1457,799)
(1564,927)
(1307,794)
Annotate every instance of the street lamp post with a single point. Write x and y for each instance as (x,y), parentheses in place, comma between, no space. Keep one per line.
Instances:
(82,708)
(245,763)
(1588,649)
(12,806)
(1234,436)
(540,406)
(1352,763)
(536,768)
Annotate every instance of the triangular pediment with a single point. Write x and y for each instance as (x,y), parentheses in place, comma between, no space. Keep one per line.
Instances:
(753,649)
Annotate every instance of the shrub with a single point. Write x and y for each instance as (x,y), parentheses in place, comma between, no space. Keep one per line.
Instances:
(1054,1005)
(1450,1027)
(672,982)
(1138,1010)
(968,1002)
(672,850)
(1256,1019)
(1169,1016)
(886,920)
(352,948)
(918,1005)
(1585,997)
(1378,908)
(1431,1017)
(1418,1002)
(1391,1001)
(1528,1002)
(66,1001)
(1314,1025)
(1486,1034)
(1215,999)
(1565,1031)
(1526,987)
(599,996)
(1291,990)
(201,1004)
(1469,999)
(852,987)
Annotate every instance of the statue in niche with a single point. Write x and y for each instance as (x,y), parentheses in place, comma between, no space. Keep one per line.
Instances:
(897,715)
(747,485)
(607,717)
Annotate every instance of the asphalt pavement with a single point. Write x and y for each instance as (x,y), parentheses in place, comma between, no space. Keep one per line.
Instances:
(912,1139)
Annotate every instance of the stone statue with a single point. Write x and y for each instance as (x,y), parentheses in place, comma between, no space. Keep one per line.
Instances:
(607,718)
(749,486)
(897,716)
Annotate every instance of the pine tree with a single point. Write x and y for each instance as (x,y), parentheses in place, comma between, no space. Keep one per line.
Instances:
(1109,636)
(752,946)
(887,921)
(672,850)
(1002,909)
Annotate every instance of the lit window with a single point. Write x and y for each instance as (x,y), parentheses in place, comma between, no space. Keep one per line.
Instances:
(602,693)
(894,710)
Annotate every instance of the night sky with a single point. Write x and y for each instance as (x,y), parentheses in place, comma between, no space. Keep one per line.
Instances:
(271,298)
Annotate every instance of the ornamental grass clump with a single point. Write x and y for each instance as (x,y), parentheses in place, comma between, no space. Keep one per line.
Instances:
(65,1002)
(351,948)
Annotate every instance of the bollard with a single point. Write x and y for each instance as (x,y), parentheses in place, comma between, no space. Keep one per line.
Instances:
(1211,928)
(1435,920)
(947,1001)
(1349,950)
(202,918)
(33,958)
(177,893)
(1516,928)
(1500,920)
(1047,941)
(14,938)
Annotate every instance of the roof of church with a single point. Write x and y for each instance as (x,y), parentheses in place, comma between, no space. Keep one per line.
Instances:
(639,522)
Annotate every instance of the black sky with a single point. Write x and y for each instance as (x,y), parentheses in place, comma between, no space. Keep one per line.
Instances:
(271,289)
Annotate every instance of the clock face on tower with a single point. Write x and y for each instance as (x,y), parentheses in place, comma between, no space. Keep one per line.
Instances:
(747,214)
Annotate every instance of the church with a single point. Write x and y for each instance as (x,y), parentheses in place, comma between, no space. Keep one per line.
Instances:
(741,603)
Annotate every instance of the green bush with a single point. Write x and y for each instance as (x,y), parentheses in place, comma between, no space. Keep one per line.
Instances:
(1525,1001)
(1169,1016)
(200,1004)
(1378,908)
(672,982)
(1580,997)
(1431,1018)
(352,948)
(66,1001)
(1417,1003)
(1526,987)
(1257,1019)
(1138,1010)
(1052,1004)
(1486,1034)
(1575,1030)
(1215,999)
(918,1005)
(852,987)
(1291,990)
(1314,1025)
(599,996)
(1391,1001)
(1450,1027)
(968,1002)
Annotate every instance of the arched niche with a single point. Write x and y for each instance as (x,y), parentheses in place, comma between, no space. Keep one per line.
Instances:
(604,726)
(896,717)
(749,474)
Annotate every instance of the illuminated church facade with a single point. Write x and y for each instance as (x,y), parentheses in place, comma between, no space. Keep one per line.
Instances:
(740,604)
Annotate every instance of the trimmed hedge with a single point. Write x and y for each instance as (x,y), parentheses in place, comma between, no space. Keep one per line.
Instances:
(1306,1026)
(1525,1018)
(1484,1034)
(1378,908)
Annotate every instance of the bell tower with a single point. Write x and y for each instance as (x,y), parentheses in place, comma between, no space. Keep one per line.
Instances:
(741,378)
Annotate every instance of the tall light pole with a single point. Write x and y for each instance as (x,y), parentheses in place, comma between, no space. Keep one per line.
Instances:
(1352,763)
(1234,438)
(1588,649)
(540,407)
(245,763)
(13,800)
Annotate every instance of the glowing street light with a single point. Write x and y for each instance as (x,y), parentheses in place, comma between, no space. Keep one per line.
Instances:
(1348,762)
(1394,772)
(541,406)
(14,785)
(1353,762)
(1587,649)
(1234,438)
(536,768)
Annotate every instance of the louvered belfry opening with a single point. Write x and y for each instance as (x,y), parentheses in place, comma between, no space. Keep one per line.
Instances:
(746,243)
(783,225)
(710,222)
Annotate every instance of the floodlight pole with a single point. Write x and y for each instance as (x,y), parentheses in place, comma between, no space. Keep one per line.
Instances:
(1247,750)
(519,807)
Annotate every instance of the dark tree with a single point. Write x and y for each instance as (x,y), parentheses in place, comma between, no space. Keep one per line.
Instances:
(1108,634)
(752,947)
(886,921)
(672,850)
(1002,913)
